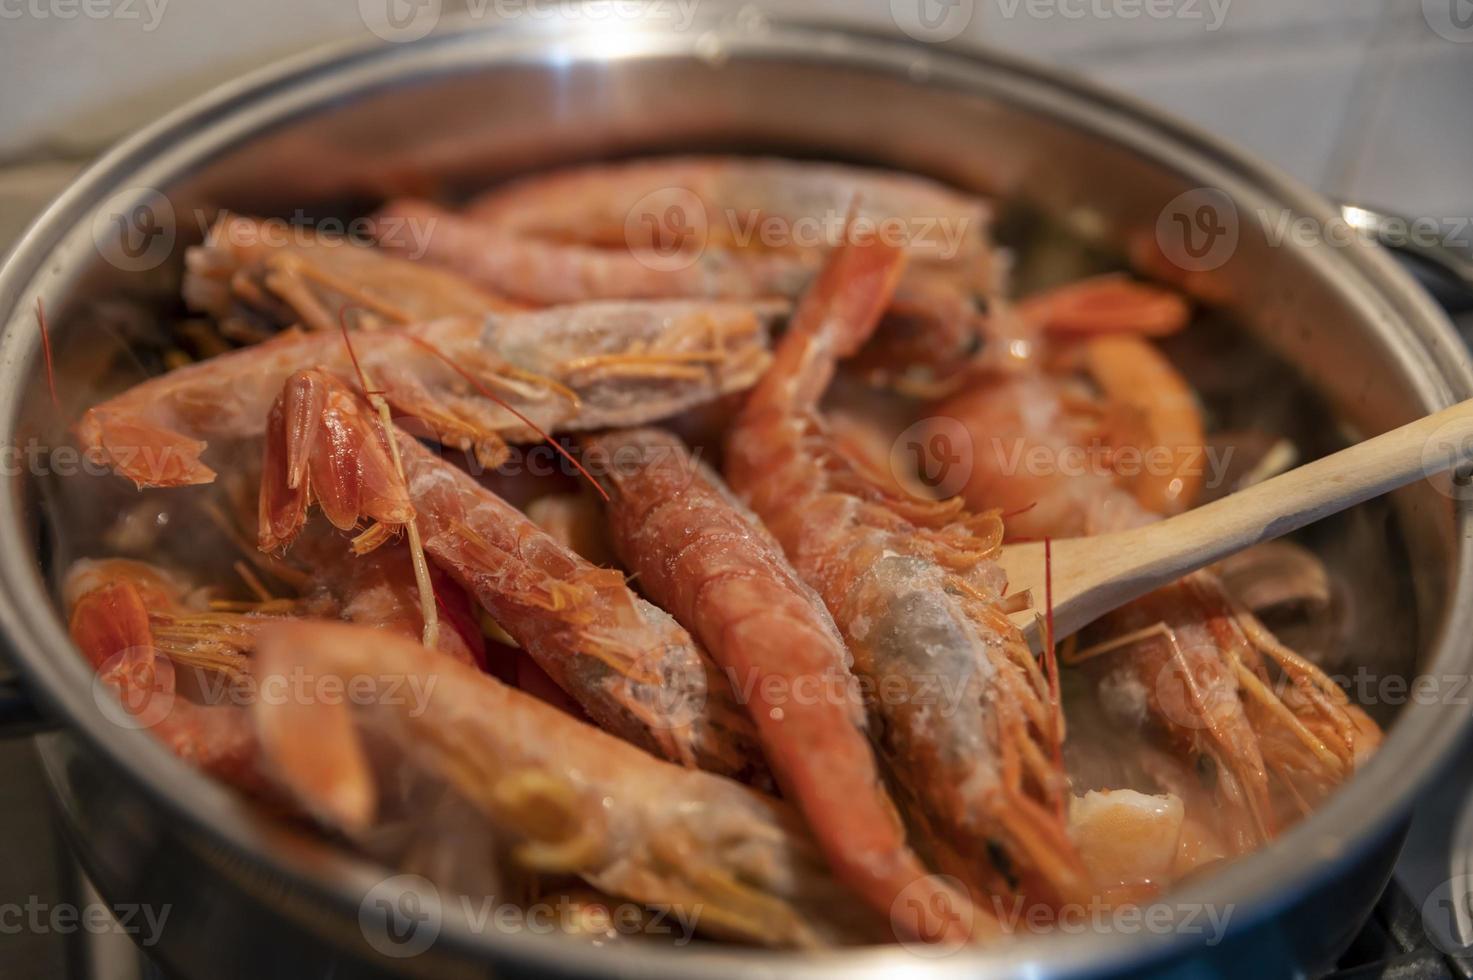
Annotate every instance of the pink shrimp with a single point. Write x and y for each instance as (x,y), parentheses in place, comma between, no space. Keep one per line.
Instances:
(626,662)
(911,586)
(612,205)
(561,796)
(548,272)
(708,561)
(171,653)
(572,368)
(291,275)
(1186,658)
(1107,304)
(715,227)
(130,622)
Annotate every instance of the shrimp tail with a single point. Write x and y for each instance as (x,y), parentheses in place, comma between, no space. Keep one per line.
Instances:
(149,455)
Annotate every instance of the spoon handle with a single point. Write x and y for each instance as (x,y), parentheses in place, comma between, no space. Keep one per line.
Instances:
(1164,551)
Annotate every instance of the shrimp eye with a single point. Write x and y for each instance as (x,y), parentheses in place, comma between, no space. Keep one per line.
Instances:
(999,858)
(1207,771)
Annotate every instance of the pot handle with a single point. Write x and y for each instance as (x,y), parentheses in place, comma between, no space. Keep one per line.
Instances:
(1443,267)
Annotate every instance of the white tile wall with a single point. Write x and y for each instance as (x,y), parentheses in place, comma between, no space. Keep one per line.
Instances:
(1359,97)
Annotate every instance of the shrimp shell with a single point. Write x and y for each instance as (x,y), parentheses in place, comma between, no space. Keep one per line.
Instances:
(593,204)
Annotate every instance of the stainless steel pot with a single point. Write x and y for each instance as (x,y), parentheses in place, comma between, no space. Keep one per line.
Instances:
(335,130)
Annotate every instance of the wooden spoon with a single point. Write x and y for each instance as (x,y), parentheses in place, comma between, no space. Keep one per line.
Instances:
(1092,576)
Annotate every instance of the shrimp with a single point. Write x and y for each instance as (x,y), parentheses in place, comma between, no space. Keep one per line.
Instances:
(611,205)
(547,272)
(934,316)
(1186,658)
(1107,304)
(172,654)
(249,266)
(707,560)
(573,368)
(564,796)
(626,662)
(914,592)
(131,621)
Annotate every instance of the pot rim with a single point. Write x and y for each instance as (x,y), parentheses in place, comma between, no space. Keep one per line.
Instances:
(236,111)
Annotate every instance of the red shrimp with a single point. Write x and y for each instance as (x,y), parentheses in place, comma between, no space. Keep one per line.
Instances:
(912,588)
(708,561)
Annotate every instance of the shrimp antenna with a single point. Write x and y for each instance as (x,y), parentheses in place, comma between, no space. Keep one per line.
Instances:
(487,393)
(1051,653)
(46,352)
(353,355)
(850,214)
(429,611)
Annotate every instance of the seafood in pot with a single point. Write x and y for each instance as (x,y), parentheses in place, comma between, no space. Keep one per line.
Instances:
(478,382)
(711,563)
(568,797)
(249,269)
(625,661)
(725,227)
(1188,660)
(913,589)
(731,653)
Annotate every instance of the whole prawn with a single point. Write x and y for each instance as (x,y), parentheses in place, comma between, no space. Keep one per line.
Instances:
(625,661)
(1187,658)
(249,268)
(594,204)
(166,646)
(911,588)
(706,559)
(567,797)
(572,368)
(718,228)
